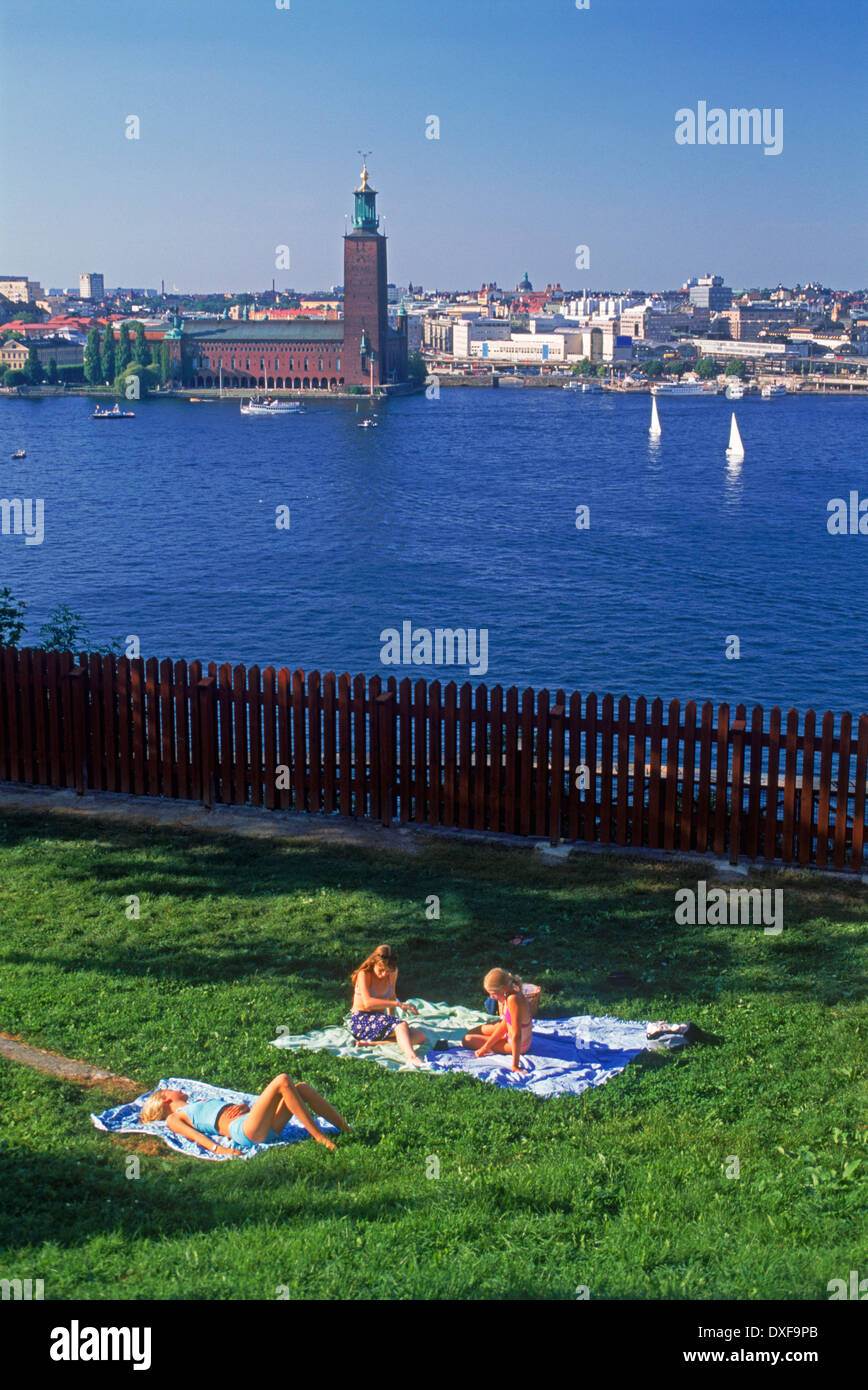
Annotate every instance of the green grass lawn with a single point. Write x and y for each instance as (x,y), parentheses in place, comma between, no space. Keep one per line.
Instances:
(623,1189)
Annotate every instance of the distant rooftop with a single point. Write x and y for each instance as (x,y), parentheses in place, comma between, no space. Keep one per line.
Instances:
(259,330)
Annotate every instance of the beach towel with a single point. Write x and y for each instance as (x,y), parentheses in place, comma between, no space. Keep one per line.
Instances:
(567,1055)
(124,1119)
(441,1022)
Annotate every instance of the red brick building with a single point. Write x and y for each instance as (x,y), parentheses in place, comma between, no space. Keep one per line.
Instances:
(302,355)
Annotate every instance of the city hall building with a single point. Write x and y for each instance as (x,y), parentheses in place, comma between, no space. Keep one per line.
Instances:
(362,349)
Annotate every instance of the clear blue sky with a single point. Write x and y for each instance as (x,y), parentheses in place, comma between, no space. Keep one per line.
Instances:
(556,128)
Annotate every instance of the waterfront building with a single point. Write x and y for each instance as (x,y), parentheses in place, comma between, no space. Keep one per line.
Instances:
(750,321)
(14,352)
(308,354)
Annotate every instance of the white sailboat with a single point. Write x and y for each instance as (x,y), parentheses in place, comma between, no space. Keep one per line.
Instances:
(735,448)
(654,428)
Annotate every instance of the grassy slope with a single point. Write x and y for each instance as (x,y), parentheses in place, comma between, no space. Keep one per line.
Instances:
(622,1189)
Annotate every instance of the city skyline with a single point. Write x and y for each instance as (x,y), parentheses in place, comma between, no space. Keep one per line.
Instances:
(557,128)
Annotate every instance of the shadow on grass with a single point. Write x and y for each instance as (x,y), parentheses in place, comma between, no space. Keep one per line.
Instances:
(585,919)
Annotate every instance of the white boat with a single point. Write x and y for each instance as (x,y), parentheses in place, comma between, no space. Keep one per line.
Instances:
(769,392)
(654,428)
(735,391)
(19,454)
(681,388)
(593,385)
(573,385)
(267,405)
(116,414)
(735,448)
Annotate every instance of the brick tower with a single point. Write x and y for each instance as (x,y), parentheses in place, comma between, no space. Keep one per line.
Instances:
(366,320)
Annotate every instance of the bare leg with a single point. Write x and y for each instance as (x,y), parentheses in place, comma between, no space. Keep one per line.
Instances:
(279,1096)
(476,1037)
(404,1038)
(320,1106)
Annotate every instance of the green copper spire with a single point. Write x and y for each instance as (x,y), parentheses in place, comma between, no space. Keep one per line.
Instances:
(365,217)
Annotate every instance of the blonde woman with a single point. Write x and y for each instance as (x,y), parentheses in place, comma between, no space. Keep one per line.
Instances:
(513,1035)
(231,1130)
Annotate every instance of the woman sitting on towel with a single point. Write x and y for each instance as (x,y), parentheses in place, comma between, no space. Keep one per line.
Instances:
(207,1122)
(513,1035)
(373,1019)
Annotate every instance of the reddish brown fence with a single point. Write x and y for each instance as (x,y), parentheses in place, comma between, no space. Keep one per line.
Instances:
(507,762)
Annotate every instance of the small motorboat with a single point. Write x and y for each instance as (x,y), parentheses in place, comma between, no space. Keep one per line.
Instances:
(368,424)
(19,454)
(116,414)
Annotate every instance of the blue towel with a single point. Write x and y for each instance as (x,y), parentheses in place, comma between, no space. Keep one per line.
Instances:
(567,1056)
(124,1119)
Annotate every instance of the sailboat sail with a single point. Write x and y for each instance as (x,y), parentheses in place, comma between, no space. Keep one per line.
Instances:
(654,428)
(736,448)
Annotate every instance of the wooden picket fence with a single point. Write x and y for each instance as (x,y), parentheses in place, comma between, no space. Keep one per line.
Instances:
(507,762)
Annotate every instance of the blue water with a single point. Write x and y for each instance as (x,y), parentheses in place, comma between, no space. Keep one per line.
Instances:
(461,512)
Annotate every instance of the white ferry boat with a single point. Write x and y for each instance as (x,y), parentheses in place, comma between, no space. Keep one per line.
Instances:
(267,405)
(735,391)
(769,392)
(681,388)
(116,414)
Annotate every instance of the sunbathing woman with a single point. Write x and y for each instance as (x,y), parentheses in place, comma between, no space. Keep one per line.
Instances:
(207,1122)
(373,1019)
(513,1035)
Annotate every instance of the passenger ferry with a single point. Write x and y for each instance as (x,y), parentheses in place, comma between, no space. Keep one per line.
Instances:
(116,414)
(769,392)
(266,405)
(682,388)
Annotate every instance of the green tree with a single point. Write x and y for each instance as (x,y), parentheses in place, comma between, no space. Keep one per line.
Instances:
(706,368)
(737,367)
(417,369)
(33,370)
(141,349)
(13,376)
(107,354)
(52,372)
(63,631)
(92,364)
(11,618)
(677,367)
(652,368)
(165,364)
(124,352)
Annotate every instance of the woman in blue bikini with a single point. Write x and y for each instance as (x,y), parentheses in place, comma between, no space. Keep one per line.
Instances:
(373,1018)
(207,1122)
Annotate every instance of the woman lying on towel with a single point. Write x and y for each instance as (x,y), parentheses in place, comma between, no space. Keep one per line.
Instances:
(373,1019)
(513,1035)
(207,1122)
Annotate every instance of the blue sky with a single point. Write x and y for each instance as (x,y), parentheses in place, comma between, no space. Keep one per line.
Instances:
(556,129)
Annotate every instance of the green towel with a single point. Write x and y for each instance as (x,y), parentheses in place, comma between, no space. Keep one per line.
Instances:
(446,1021)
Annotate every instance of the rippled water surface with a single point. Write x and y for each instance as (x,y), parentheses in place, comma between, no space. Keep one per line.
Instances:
(461,513)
